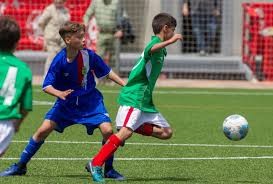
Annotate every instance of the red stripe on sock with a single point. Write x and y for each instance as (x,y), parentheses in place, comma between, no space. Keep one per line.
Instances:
(145,129)
(128,116)
(107,150)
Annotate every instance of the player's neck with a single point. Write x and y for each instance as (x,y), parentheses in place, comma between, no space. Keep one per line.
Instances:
(161,36)
(71,54)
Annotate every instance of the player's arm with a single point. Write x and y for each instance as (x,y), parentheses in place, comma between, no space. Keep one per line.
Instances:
(25,100)
(18,122)
(57,93)
(185,8)
(102,70)
(114,77)
(161,45)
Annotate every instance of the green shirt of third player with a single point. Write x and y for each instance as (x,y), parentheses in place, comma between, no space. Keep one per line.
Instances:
(143,76)
(15,86)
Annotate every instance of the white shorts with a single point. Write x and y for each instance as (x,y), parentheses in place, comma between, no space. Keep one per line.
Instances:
(6,133)
(133,118)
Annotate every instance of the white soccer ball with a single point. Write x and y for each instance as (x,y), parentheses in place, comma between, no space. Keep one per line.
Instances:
(235,127)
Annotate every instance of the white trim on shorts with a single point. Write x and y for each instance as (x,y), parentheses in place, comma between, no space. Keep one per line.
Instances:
(6,133)
(133,118)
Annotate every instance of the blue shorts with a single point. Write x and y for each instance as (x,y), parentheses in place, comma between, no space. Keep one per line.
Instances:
(65,115)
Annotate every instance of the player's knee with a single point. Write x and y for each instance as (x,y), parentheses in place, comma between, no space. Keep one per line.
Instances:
(124,133)
(167,134)
(107,132)
(42,133)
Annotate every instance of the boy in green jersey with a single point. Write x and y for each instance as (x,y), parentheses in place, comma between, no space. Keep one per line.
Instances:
(15,83)
(137,112)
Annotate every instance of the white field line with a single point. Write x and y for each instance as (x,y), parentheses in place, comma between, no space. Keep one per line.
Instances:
(156,144)
(36,102)
(225,93)
(150,159)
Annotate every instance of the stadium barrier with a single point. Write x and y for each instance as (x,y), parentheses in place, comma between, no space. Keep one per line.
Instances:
(183,63)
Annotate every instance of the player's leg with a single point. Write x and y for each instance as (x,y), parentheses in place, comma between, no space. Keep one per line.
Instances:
(155,125)
(125,120)
(106,152)
(34,144)
(6,133)
(111,146)
(31,148)
(36,141)
(162,133)
(109,171)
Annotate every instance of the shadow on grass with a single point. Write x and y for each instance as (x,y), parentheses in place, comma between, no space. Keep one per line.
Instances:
(131,179)
(246,181)
(166,179)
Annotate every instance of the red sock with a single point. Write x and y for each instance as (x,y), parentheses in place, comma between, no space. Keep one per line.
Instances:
(145,129)
(107,150)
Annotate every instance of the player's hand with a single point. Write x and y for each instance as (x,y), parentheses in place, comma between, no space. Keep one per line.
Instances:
(63,94)
(118,34)
(216,13)
(17,124)
(185,10)
(175,38)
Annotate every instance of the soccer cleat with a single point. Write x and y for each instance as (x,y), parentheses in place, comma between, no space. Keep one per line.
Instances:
(114,175)
(14,170)
(96,173)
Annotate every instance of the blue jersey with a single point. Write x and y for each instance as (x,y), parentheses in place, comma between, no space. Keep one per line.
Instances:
(85,104)
(78,74)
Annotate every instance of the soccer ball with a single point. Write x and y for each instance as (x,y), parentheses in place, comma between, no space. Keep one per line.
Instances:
(235,127)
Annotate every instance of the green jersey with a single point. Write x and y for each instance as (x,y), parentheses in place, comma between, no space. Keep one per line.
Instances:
(139,88)
(15,86)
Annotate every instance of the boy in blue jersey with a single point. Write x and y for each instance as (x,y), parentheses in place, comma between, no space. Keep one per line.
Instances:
(71,79)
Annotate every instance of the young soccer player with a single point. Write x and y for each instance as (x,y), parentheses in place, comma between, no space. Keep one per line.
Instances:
(71,79)
(15,84)
(137,112)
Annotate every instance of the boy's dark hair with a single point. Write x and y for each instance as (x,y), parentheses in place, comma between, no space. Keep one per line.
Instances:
(70,28)
(162,19)
(9,33)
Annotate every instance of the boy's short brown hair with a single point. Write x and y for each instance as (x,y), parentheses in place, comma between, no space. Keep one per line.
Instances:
(70,28)
(162,19)
(9,33)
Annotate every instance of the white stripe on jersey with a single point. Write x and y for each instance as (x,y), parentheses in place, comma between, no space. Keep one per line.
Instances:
(85,58)
(148,68)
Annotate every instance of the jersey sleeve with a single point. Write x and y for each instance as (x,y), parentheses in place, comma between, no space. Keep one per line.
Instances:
(26,99)
(158,56)
(147,51)
(99,66)
(51,75)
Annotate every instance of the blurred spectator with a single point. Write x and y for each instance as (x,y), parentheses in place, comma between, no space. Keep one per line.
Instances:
(52,18)
(107,14)
(128,35)
(204,14)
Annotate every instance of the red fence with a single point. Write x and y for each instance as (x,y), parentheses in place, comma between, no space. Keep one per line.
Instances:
(27,12)
(257,49)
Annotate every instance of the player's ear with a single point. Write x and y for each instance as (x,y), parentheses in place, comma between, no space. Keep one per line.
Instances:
(165,28)
(67,39)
